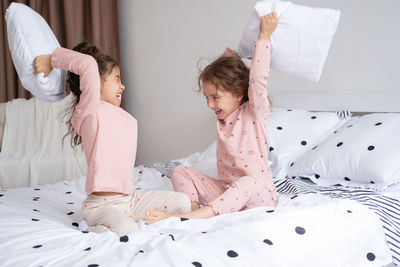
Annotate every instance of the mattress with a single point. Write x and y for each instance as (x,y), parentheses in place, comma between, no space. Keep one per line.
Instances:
(311,226)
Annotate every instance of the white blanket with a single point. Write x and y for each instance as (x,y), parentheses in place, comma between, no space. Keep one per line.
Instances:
(33,151)
(39,228)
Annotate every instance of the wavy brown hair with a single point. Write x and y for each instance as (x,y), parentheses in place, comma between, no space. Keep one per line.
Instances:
(228,72)
(105,64)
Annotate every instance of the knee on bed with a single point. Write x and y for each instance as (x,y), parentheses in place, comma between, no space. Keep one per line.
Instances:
(183,202)
(178,173)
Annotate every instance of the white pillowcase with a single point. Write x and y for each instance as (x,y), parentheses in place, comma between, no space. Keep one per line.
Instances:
(30,36)
(292,132)
(363,153)
(301,41)
(287,129)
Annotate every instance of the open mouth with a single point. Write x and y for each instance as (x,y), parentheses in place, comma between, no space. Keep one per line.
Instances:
(119,96)
(217,112)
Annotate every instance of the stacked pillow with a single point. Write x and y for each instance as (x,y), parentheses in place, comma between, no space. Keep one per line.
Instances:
(330,148)
(362,153)
(292,132)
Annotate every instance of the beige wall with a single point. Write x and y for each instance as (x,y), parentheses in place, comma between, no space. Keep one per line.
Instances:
(162,41)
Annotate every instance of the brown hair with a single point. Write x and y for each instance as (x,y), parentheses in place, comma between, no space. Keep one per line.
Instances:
(105,64)
(228,72)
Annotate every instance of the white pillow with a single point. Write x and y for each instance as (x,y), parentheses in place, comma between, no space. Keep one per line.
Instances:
(363,153)
(292,132)
(287,129)
(30,36)
(301,41)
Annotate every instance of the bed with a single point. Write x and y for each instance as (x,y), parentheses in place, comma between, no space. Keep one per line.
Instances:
(317,222)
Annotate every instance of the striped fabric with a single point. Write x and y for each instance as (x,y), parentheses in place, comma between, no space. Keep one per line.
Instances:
(343,114)
(388,209)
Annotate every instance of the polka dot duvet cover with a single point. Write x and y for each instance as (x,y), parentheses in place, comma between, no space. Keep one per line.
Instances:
(39,227)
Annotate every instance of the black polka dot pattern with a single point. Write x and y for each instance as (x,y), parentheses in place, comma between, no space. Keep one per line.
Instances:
(232,254)
(124,238)
(268,242)
(371,256)
(346,158)
(300,230)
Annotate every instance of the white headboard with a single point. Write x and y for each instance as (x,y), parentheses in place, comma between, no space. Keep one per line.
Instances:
(355,101)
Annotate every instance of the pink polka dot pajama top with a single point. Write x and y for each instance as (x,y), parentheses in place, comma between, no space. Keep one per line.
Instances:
(245,178)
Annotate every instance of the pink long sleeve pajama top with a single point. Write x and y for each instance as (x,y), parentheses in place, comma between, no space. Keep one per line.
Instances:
(109,134)
(245,178)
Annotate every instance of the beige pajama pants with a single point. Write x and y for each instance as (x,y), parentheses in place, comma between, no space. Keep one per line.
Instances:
(120,213)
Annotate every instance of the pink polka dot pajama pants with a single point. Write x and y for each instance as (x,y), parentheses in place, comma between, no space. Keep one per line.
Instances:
(244,193)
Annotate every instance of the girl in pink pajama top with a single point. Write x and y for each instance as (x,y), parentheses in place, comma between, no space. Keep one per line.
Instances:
(109,139)
(240,102)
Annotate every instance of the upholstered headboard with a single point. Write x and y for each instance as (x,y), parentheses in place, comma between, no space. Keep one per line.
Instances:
(354,101)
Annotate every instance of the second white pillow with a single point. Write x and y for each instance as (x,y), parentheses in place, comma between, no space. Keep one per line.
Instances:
(363,153)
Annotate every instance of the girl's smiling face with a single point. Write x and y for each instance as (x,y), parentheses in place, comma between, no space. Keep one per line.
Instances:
(112,88)
(221,101)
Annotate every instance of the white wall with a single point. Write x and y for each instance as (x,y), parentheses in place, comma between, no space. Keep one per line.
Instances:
(162,41)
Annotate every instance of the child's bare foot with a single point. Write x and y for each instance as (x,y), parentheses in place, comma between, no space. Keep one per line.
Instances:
(195,206)
(155,216)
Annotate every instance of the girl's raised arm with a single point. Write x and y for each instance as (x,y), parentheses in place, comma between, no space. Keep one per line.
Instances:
(81,64)
(259,70)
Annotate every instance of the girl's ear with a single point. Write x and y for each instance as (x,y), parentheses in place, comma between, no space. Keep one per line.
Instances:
(239,98)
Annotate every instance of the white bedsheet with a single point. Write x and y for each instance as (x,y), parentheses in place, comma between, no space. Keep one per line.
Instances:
(38,227)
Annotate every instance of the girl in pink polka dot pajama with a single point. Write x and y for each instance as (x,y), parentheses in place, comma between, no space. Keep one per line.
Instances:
(239,98)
